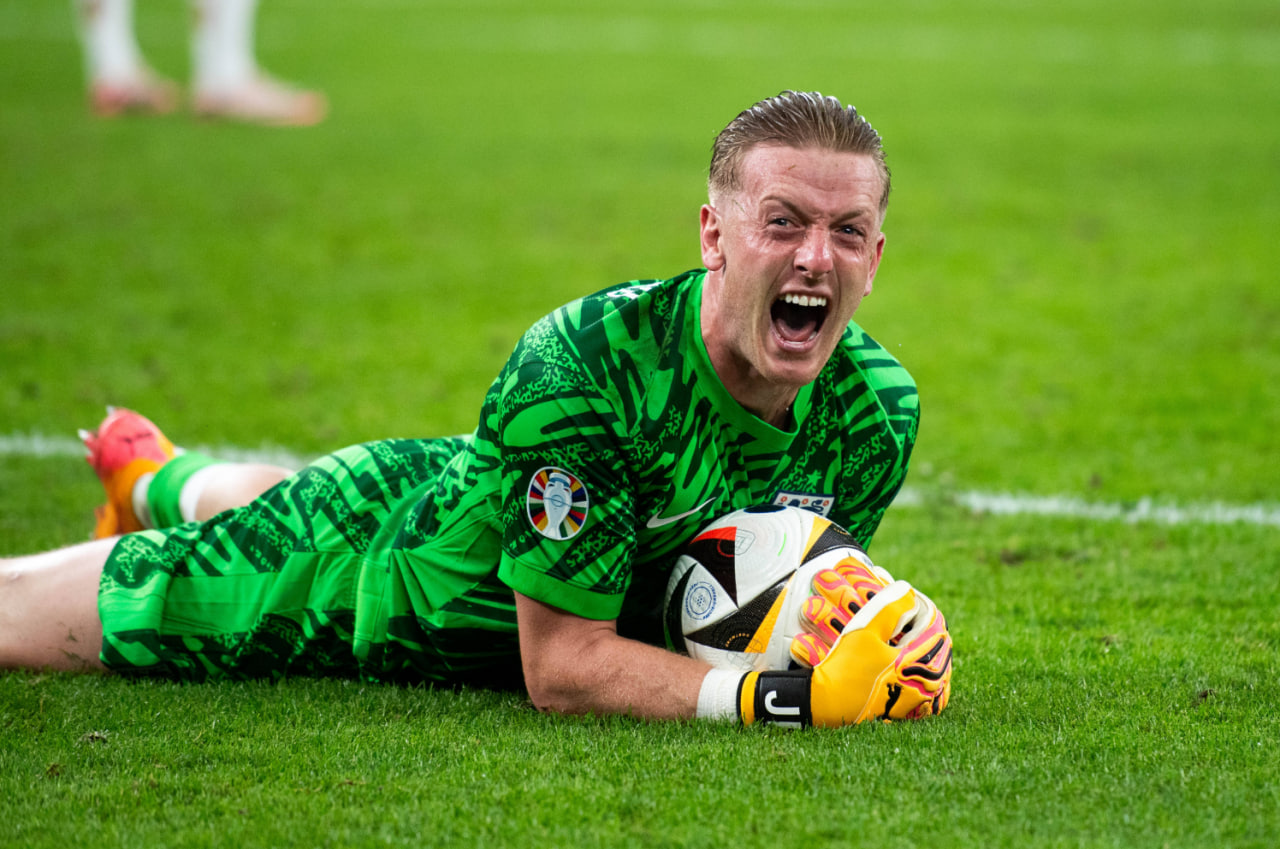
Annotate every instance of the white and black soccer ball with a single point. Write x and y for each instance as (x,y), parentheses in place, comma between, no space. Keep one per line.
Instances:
(734,597)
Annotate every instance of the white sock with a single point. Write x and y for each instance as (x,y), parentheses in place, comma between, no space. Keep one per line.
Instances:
(110,48)
(222,47)
(141,508)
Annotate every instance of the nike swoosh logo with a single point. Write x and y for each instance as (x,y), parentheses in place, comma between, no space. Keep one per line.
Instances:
(656,520)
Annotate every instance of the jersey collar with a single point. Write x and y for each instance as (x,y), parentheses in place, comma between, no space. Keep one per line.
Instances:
(725,403)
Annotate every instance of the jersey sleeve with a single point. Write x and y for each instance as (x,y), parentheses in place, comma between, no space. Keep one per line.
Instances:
(567,491)
(891,393)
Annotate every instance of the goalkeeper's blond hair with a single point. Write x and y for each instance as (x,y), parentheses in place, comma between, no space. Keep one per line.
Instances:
(794,119)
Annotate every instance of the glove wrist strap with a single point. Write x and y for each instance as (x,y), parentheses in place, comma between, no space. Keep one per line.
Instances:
(780,698)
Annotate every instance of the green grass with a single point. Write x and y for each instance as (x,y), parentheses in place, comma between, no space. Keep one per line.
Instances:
(1115,686)
(1079,273)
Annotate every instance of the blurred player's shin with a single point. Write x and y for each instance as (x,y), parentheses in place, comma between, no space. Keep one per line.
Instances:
(229,84)
(119,78)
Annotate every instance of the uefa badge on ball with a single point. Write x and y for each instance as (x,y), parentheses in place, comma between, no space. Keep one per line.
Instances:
(734,596)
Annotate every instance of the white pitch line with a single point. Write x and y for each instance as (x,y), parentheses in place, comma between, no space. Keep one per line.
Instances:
(39,445)
(996,503)
(1070,507)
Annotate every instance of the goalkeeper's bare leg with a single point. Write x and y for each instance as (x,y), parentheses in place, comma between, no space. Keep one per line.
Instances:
(49,608)
(233,485)
(49,601)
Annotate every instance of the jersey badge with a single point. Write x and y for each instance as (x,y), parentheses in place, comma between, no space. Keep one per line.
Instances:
(820,504)
(557,503)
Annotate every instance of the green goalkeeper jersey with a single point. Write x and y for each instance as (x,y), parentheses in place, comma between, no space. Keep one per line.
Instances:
(606,442)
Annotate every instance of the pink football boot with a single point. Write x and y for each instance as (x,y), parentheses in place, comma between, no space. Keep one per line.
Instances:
(125,447)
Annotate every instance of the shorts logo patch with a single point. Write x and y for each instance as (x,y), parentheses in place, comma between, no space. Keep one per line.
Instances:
(557,503)
(820,504)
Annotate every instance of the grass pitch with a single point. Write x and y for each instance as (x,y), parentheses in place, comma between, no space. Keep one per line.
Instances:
(1078,272)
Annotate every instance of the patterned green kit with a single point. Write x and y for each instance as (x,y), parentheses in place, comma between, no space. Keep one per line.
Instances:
(603,445)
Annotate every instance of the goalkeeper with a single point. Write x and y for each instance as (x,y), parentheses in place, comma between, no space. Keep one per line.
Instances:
(535,551)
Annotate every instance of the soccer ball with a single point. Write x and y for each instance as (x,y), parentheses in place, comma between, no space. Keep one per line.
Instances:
(734,597)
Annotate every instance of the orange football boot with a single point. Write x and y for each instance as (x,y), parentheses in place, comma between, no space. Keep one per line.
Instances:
(125,447)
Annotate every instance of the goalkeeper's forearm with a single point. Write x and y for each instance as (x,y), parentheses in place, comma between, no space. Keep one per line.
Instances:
(576,665)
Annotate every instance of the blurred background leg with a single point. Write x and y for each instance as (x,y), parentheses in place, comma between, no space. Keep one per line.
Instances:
(119,78)
(228,82)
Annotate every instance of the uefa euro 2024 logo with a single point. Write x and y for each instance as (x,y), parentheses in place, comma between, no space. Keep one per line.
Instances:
(557,503)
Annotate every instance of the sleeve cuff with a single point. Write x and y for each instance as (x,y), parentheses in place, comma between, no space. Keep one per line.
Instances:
(567,597)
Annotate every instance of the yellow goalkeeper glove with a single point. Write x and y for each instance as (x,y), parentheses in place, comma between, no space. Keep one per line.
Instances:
(864,675)
(838,594)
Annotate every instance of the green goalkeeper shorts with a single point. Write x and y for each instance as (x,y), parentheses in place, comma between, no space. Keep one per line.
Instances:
(292,584)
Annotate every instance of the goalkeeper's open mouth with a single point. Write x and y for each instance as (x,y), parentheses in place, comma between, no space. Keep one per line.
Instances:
(797,319)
